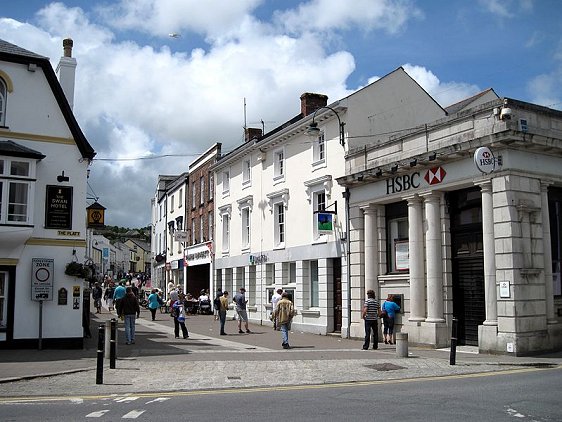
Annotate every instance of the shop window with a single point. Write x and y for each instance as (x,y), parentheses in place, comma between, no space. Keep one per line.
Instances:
(314,285)
(3,300)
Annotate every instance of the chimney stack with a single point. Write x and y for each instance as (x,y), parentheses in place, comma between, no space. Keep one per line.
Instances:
(251,133)
(66,71)
(311,102)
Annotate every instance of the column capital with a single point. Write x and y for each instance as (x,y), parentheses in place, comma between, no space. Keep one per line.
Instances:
(370,209)
(545,183)
(485,185)
(432,196)
(412,199)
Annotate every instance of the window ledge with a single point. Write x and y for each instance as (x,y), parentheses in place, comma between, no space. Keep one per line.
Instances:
(310,313)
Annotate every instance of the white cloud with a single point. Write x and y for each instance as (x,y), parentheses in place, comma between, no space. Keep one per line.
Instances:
(325,15)
(546,88)
(445,93)
(507,8)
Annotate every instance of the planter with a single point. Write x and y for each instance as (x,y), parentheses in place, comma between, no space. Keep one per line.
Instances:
(75,269)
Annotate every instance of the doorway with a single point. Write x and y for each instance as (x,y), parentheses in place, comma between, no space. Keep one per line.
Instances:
(336,262)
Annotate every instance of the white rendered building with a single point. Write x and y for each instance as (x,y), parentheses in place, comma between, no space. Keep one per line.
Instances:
(44,158)
(272,191)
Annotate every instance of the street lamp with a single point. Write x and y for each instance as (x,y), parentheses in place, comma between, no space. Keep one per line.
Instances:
(313,130)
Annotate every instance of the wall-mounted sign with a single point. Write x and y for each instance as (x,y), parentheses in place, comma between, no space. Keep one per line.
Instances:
(504,289)
(58,207)
(180,236)
(62,296)
(484,160)
(257,259)
(68,233)
(42,278)
(75,291)
(198,254)
(324,222)
(410,181)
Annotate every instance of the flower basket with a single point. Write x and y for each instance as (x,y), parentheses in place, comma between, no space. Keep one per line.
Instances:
(75,269)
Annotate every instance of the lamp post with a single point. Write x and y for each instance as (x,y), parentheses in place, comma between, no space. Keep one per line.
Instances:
(313,130)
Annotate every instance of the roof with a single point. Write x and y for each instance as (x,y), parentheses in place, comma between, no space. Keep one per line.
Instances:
(15,54)
(10,148)
(455,108)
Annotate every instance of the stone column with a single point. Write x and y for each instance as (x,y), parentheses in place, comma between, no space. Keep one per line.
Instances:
(371,250)
(416,253)
(490,290)
(433,250)
(550,319)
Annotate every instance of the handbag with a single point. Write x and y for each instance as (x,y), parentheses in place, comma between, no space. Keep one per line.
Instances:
(382,313)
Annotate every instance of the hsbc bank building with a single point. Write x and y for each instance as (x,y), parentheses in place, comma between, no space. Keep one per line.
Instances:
(451,238)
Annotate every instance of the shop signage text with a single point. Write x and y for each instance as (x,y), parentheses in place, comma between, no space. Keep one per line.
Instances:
(258,259)
(405,182)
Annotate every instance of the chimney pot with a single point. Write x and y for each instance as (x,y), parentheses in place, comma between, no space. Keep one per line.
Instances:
(67,44)
(310,102)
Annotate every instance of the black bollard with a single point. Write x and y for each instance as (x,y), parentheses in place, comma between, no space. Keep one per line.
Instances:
(112,344)
(452,357)
(99,367)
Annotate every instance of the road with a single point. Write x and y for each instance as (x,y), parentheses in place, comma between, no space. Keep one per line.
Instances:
(526,394)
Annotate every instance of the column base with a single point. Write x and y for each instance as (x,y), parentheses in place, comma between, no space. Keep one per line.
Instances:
(435,320)
(551,321)
(490,323)
(431,334)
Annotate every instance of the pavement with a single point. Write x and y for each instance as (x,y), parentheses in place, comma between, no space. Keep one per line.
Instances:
(158,362)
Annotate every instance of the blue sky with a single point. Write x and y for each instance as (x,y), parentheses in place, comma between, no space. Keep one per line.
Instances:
(141,93)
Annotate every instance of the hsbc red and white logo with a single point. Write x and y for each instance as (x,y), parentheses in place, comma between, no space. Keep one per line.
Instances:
(406,182)
(435,175)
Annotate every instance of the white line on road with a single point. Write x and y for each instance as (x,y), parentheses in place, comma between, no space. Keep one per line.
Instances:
(125,399)
(98,414)
(159,399)
(133,414)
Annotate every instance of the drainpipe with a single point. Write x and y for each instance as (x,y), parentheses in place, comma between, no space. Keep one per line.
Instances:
(346,195)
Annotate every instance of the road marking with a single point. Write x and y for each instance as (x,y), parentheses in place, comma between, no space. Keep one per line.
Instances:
(133,414)
(159,399)
(98,414)
(239,390)
(125,399)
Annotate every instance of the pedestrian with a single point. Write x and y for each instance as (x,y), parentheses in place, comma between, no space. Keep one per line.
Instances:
(108,296)
(223,307)
(369,314)
(96,296)
(178,313)
(217,303)
(154,302)
(118,295)
(240,301)
(274,299)
(283,316)
(129,309)
(388,320)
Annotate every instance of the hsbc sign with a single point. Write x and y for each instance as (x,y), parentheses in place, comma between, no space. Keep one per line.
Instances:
(406,182)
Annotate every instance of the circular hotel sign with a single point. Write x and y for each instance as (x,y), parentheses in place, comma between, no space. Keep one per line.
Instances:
(484,160)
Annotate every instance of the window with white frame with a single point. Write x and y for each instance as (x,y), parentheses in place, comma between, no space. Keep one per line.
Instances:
(245,227)
(318,149)
(225,232)
(246,172)
(3,300)
(180,201)
(193,237)
(172,203)
(202,190)
(319,204)
(225,182)
(193,195)
(201,229)
(211,228)
(160,213)
(278,164)
(16,185)
(314,285)
(3,101)
(279,219)
(211,186)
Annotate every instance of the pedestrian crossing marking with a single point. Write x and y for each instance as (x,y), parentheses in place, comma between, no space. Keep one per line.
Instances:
(126,399)
(133,414)
(159,399)
(97,414)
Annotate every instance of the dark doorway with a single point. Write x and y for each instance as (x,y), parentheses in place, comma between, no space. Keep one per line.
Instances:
(337,295)
(198,278)
(469,305)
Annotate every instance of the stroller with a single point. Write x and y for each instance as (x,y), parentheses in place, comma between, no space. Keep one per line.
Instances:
(205,307)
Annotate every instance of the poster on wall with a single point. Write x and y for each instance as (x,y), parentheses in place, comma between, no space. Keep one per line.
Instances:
(402,255)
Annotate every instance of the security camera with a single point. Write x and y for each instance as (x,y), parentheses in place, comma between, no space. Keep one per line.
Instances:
(505,114)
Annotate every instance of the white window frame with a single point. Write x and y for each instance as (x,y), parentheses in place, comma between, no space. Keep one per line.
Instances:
(193,195)
(246,225)
(201,229)
(202,189)
(226,182)
(3,101)
(4,279)
(211,185)
(246,173)
(319,151)
(180,202)
(7,180)
(211,228)
(225,214)
(314,279)
(279,225)
(172,203)
(279,165)
(193,240)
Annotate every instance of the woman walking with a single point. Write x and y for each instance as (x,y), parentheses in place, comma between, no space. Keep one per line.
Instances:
(178,313)
(154,303)
(388,320)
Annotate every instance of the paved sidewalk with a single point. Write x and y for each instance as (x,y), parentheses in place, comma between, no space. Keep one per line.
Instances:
(160,362)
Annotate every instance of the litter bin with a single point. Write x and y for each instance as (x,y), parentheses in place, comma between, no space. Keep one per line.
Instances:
(402,345)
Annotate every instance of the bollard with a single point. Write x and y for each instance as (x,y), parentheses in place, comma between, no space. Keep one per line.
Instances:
(402,345)
(99,367)
(452,356)
(113,344)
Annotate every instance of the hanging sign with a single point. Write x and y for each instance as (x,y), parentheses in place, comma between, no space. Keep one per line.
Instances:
(484,160)
(324,222)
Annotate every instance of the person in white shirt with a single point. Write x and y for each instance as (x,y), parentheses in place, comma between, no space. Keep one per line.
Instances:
(274,299)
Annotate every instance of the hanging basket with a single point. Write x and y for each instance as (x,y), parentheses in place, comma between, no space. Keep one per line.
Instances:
(75,269)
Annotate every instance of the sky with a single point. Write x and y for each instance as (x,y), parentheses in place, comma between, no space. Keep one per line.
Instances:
(150,103)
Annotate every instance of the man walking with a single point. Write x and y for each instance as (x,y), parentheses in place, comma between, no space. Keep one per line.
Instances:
(222,311)
(129,309)
(240,301)
(96,295)
(369,314)
(283,315)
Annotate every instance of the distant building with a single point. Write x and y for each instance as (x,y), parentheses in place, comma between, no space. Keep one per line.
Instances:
(44,158)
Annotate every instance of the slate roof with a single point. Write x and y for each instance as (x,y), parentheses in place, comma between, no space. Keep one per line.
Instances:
(454,108)
(11,149)
(6,47)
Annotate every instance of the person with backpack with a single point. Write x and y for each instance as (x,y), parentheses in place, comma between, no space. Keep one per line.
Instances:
(178,313)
